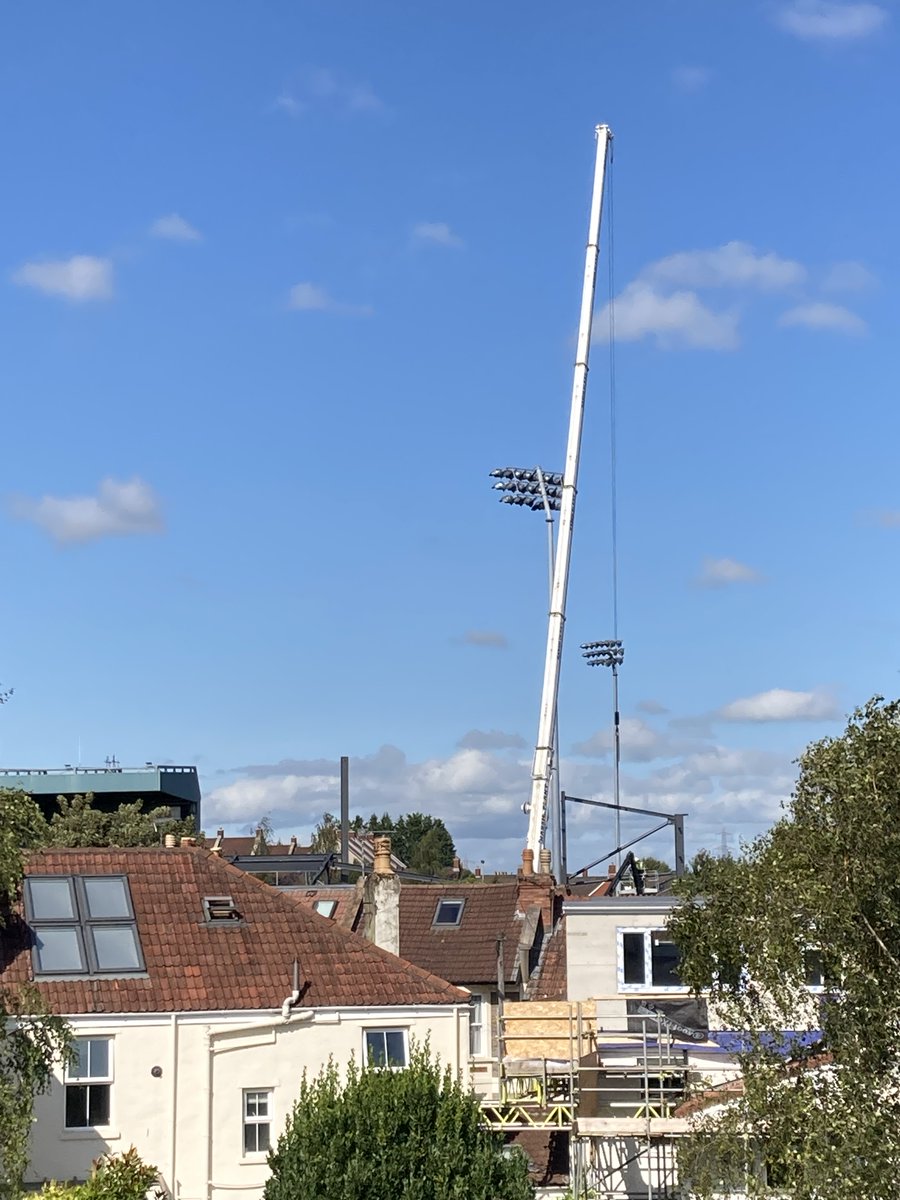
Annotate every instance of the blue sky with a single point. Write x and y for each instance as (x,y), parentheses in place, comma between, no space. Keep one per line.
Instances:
(282,283)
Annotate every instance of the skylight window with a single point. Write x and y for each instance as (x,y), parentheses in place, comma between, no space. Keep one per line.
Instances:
(325,908)
(448,913)
(220,910)
(82,925)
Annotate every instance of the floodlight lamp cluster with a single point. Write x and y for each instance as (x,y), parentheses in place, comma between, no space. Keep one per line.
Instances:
(608,653)
(522,486)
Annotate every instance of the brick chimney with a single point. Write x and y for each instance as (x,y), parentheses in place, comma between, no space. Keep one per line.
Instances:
(536,889)
(381,900)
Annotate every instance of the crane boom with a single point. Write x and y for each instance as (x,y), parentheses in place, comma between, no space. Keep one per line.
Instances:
(543,752)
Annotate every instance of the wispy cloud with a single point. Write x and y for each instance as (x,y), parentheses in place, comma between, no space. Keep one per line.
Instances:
(733,265)
(119,508)
(821,316)
(672,319)
(175,228)
(780,704)
(830,21)
(491,739)
(652,707)
(849,277)
(79,278)
(489,638)
(720,572)
(691,79)
(323,88)
(435,233)
(310,297)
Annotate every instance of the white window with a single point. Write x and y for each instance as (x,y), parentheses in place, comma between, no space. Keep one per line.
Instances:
(89,1079)
(476,1025)
(448,913)
(257,1122)
(325,908)
(386,1048)
(648,961)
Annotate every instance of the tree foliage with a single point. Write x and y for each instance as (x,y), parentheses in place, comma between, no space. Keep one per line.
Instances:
(413,1134)
(421,841)
(113,1177)
(22,828)
(820,892)
(78,823)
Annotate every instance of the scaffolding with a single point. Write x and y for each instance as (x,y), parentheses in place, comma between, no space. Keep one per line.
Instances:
(614,1090)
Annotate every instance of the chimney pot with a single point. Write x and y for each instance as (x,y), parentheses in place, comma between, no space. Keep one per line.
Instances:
(170,841)
(382,863)
(527,862)
(188,841)
(545,861)
(611,870)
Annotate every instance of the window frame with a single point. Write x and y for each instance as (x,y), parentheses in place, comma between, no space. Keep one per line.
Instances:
(477,1006)
(83,924)
(256,1121)
(330,904)
(384,1030)
(648,986)
(436,924)
(91,1081)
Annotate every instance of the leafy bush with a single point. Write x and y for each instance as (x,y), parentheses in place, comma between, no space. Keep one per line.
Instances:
(413,1134)
(114,1177)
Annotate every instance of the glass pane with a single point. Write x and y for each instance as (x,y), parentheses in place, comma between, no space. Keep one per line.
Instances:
(251,1144)
(375,1047)
(107,898)
(448,912)
(812,968)
(76,1106)
(262,1137)
(51,899)
(633,956)
(98,1103)
(325,908)
(98,1058)
(58,950)
(664,956)
(116,947)
(396,1047)
(79,1067)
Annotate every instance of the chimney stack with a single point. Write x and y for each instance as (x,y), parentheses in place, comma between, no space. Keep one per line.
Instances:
(382,863)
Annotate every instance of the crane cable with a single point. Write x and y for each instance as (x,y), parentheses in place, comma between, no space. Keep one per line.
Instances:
(613,453)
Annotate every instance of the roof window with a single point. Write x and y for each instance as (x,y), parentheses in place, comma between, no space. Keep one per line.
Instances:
(448,913)
(325,908)
(82,925)
(220,910)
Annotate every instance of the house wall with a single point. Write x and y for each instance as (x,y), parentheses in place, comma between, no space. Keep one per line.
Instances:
(188,1119)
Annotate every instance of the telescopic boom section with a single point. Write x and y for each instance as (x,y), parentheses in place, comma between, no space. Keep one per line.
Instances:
(543,753)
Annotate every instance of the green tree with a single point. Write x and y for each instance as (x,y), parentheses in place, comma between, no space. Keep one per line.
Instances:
(410,831)
(32,1040)
(326,838)
(78,823)
(650,863)
(413,1134)
(814,900)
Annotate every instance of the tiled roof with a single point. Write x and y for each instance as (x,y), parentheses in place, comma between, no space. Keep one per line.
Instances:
(244,846)
(194,966)
(466,953)
(551,982)
(347,898)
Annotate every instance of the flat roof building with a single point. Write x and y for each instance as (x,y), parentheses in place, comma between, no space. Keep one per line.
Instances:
(156,786)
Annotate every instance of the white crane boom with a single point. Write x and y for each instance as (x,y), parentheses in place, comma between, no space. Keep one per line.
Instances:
(543,752)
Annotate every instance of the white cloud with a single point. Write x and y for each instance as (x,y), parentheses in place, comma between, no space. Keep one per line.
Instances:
(79,278)
(780,704)
(652,707)
(640,743)
(320,87)
(120,507)
(691,79)
(733,265)
(485,637)
(435,233)
(719,572)
(819,315)
(309,297)
(848,276)
(674,320)
(831,21)
(175,228)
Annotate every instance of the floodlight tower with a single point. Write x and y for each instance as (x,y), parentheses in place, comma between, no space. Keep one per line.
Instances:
(539,490)
(610,653)
(543,751)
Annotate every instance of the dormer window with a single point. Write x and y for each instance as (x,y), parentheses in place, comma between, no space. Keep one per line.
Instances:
(220,910)
(448,913)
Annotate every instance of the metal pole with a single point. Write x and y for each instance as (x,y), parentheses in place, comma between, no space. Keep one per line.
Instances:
(678,823)
(543,753)
(615,675)
(345,816)
(555,802)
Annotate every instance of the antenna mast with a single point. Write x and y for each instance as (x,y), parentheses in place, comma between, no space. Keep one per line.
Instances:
(543,752)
